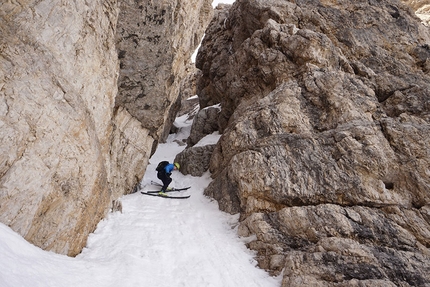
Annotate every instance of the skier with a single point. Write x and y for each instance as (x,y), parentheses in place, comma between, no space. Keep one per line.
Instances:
(164,171)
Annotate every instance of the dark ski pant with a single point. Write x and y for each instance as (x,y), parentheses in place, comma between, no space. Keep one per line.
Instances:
(165,178)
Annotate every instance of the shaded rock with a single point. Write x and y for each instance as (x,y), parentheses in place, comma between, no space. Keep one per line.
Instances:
(188,93)
(204,123)
(195,160)
(196,157)
(155,44)
(328,243)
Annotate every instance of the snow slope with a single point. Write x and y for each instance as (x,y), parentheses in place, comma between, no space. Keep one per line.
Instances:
(154,242)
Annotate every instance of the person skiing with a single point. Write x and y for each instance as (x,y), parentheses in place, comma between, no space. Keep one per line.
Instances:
(164,171)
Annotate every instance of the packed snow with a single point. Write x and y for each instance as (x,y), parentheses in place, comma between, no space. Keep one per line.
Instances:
(154,242)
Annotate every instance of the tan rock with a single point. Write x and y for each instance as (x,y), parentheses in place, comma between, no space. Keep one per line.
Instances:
(70,144)
(58,86)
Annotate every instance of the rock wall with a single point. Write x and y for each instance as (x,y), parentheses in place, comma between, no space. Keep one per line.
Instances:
(57,92)
(325,146)
(155,41)
(71,142)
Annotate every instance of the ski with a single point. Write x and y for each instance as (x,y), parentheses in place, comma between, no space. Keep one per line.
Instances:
(169,190)
(180,189)
(155,193)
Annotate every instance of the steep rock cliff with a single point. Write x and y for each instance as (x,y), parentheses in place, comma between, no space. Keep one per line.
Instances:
(155,44)
(70,143)
(57,92)
(325,147)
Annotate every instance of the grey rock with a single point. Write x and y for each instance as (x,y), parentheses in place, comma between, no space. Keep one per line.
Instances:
(325,146)
(204,123)
(195,160)
(155,41)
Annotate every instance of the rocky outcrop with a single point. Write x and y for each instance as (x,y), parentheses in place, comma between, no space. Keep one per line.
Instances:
(325,146)
(72,142)
(188,93)
(195,160)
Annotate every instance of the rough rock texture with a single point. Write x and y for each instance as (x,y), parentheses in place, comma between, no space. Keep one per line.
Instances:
(57,92)
(188,92)
(155,41)
(325,150)
(204,123)
(131,147)
(69,146)
(416,5)
(195,160)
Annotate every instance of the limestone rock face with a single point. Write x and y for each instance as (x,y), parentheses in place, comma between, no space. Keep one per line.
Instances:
(71,144)
(195,159)
(57,92)
(325,150)
(155,42)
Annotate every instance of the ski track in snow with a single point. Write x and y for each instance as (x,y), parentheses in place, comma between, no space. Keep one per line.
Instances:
(154,242)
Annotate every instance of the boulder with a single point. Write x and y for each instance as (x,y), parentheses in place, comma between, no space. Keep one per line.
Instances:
(204,123)
(195,160)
